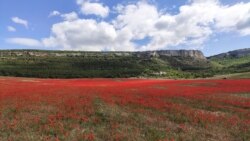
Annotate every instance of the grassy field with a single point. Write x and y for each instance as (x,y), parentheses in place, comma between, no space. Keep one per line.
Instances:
(245,75)
(228,62)
(124,110)
(231,65)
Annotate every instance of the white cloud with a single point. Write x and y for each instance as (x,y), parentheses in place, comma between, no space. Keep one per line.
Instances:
(24,42)
(139,18)
(70,16)
(93,8)
(144,20)
(67,16)
(54,13)
(193,25)
(11,29)
(81,34)
(234,18)
(20,21)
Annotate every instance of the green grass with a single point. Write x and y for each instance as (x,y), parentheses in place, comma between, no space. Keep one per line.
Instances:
(229,62)
(230,67)
(245,75)
(241,75)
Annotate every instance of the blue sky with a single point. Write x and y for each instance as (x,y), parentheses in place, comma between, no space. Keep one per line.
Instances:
(212,26)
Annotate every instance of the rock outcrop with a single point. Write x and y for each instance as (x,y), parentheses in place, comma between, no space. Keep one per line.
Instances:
(170,53)
(180,53)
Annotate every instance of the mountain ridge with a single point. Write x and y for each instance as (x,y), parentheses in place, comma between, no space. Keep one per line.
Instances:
(81,64)
(42,53)
(233,53)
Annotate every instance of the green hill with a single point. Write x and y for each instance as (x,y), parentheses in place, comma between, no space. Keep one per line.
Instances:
(76,64)
(232,62)
(68,64)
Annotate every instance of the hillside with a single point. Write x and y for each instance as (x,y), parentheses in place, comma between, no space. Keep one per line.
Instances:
(232,62)
(233,54)
(165,63)
(70,64)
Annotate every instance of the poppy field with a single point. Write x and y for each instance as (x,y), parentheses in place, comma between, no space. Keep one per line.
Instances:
(124,110)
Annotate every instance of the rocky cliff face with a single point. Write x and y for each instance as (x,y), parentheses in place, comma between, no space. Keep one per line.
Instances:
(235,53)
(170,53)
(182,53)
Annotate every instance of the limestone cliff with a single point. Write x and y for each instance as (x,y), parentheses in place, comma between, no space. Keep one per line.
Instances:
(170,53)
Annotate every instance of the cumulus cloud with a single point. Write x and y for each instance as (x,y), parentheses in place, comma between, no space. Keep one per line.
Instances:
(139,18)
(11,29)
(193,25)
(93,8)
(70,16)
(66,16)
(145,21)
(234,18)
(20,21)
(54,13)
(81,34)
(24,42)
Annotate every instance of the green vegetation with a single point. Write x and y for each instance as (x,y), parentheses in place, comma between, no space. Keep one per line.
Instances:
(108,66)
(231,65)
(67,64)
(231,61)
(243,75)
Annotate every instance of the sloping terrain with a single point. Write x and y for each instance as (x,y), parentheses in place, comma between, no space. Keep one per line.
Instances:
(237,61)
(76,64)
(65,64)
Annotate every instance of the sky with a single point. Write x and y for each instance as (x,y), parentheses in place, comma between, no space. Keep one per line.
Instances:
(212,26)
